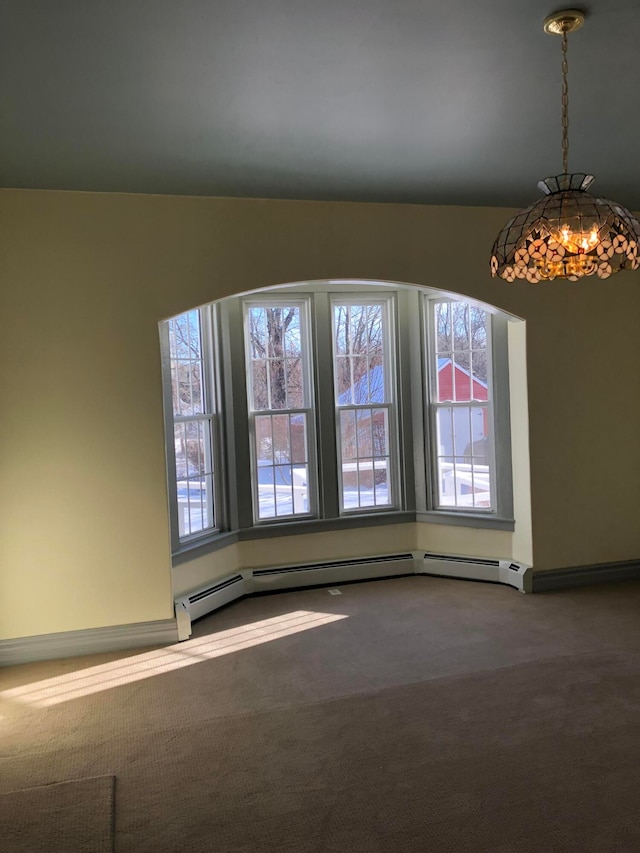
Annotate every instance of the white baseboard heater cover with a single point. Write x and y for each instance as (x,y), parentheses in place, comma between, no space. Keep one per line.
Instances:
(205,600)
(279,578)
(202,601)
(473,568)
(330,572)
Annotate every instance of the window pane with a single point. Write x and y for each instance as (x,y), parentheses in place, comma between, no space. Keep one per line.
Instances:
(257,323)
(301,489)
(184,336)
(348,434)
(340,329)
(445,431)
(478,323)
(460,325)
(281,442)
(380,421)
(462,376)
(444,379)
(283,480)
(365,483)
(343,380)
(381,484)
(277,384)
(442,324)
(282,488)
(264,440)
(299,439)
(479,370)
(259,388)
(364,433)
(359,353)
(295,387)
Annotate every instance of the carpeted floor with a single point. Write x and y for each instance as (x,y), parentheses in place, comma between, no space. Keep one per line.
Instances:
(68,817)
(404,715)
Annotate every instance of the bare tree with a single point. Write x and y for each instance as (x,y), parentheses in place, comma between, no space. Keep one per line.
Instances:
(275,349)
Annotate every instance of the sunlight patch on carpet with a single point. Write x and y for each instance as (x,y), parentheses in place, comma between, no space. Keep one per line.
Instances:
(74,685)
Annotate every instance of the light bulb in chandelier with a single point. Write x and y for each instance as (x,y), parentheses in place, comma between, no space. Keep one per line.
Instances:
(568,234)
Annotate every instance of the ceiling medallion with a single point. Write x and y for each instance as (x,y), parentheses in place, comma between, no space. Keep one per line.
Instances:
(569,233)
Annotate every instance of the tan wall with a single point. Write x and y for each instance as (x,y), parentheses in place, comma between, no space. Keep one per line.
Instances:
(85,279)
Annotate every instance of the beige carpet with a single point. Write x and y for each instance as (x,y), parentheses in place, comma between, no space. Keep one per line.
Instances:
(68,817)
(410,715)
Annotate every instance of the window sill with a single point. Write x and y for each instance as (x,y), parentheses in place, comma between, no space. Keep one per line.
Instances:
(466,519)
(207,545)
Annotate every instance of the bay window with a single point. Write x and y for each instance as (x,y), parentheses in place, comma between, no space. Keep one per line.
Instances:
(294,409)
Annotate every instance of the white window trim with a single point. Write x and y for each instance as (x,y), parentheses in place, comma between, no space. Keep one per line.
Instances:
(309,410)
(498,418)
(211,404)
(391,384)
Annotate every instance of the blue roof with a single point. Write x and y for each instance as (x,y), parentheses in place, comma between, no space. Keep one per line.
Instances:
(368,389)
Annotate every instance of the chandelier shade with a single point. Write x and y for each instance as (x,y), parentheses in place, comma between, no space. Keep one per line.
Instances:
(567,234)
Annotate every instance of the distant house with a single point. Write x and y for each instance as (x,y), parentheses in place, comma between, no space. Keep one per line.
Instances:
(471,427)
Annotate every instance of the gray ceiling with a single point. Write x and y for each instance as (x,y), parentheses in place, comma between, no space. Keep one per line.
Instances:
(454,101)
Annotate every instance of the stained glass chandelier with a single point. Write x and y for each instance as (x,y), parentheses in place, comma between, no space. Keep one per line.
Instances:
(569,233)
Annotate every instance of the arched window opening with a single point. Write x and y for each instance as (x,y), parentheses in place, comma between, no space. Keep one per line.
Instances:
(339,403)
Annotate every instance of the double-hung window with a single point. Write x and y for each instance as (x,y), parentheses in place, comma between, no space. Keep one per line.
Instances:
(281,411)
(460,402)
(193,395)
(364,380)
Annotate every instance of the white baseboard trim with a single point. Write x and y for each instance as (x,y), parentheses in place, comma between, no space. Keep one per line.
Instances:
(87,642)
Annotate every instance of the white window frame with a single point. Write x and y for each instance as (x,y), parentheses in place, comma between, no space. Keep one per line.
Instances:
(433,405)
(210,416)
(303,303)
(388,303)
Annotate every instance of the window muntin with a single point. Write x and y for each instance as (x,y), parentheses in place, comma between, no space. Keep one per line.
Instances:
(461,406)
(280,403)
(364,371)
(192,397)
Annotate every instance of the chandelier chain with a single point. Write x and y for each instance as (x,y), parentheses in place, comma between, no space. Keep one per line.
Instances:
(565,105)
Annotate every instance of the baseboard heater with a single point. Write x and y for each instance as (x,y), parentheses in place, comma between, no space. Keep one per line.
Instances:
(213,596)
(473,568)
(279,578)
(202,601)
